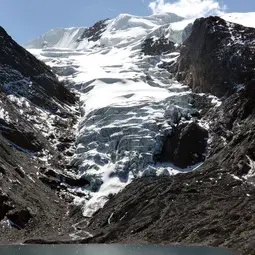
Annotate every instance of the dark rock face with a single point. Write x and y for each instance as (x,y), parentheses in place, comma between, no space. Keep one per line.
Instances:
(20,136)
(31,100)
(4,205)
(54,179)
(19,217)
(23,75)
(157,47)
(21,189)
(216,57)
(186,145)
(94,33)
(233,133)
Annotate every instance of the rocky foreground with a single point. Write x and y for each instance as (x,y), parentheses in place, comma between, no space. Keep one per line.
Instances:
(213,205)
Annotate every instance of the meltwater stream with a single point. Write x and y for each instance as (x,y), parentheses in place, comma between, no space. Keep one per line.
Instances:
(116,249)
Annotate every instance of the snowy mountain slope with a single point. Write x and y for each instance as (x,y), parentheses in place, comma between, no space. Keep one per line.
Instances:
(124,29)
(128,103)
(58,37)
(124,97)
(116,32)
(245,19)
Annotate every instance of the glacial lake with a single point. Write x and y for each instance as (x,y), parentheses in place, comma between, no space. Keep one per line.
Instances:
(111,249)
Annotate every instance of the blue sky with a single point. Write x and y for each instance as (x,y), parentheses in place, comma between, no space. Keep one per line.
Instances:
(27,19)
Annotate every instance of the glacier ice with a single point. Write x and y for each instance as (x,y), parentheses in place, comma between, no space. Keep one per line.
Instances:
(128,103)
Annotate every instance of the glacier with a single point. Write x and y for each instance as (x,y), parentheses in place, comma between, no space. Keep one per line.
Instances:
(127,102)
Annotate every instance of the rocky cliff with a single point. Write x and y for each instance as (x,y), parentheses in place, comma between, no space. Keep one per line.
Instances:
(217,57)
(37,114)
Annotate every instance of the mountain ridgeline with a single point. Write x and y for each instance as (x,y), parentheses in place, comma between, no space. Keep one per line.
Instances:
(158,147)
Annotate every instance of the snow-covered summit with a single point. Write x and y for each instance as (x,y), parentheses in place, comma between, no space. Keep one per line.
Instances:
(123,28)
(126,29)
(58,38)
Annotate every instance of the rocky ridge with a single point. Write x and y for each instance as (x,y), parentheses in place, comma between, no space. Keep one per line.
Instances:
(94,33)
(217,57)
(37,118)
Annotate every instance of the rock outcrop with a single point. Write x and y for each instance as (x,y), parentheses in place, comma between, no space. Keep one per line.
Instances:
(185,146)
(158,47)
(94,33)
(217,56)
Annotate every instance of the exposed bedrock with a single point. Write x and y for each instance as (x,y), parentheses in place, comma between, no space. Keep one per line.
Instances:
(158,47)
(217,56)
(94,33)
(185,146)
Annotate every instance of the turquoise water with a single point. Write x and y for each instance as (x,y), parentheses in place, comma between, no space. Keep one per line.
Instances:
(111,249)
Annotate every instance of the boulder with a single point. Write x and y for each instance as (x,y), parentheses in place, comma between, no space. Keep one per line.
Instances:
(185,146)
(157,47)
(19,217)
(191,146)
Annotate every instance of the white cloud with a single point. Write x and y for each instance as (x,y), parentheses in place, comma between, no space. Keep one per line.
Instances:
(188,8)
